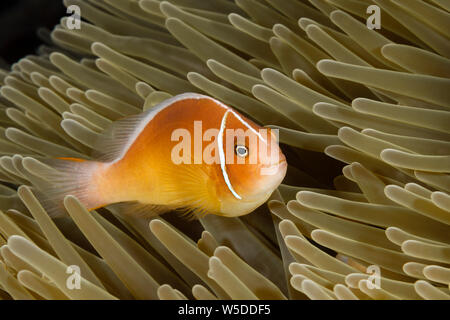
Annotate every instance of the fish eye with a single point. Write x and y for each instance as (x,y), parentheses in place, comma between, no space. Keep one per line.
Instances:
(241,151)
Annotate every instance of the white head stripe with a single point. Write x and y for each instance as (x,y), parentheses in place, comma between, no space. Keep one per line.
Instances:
(200,96)
(222,155)
(248,126)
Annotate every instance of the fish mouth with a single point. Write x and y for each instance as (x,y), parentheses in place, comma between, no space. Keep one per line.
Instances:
(274,168)
(278,171)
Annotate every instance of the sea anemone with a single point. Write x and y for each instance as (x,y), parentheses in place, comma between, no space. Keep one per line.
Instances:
(363,117)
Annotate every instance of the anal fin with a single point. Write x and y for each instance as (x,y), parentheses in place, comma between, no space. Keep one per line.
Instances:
(140,210)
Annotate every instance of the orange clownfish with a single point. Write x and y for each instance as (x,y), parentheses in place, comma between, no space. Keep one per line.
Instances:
(191,151)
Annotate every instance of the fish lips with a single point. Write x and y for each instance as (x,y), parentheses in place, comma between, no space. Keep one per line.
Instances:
(272,177)
(275,169)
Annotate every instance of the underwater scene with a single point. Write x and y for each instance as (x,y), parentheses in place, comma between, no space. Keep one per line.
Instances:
(226,150)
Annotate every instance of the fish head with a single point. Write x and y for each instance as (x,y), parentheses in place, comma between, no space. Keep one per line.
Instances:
(252,164)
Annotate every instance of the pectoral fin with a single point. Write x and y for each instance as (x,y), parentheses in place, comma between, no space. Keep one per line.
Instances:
(193,192)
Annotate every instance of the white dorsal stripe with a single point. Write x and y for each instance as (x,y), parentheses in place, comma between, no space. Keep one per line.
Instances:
(222,155)
(151,113)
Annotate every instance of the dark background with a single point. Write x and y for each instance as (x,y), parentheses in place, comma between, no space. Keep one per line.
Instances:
(19,22)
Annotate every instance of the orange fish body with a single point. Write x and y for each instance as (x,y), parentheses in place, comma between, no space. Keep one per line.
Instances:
(189,152)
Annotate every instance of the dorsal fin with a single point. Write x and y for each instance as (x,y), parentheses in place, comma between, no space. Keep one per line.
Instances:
(120,135)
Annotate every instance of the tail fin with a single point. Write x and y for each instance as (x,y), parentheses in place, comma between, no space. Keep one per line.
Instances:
(62,177)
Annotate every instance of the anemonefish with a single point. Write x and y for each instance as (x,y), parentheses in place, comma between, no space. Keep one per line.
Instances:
(155,159)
